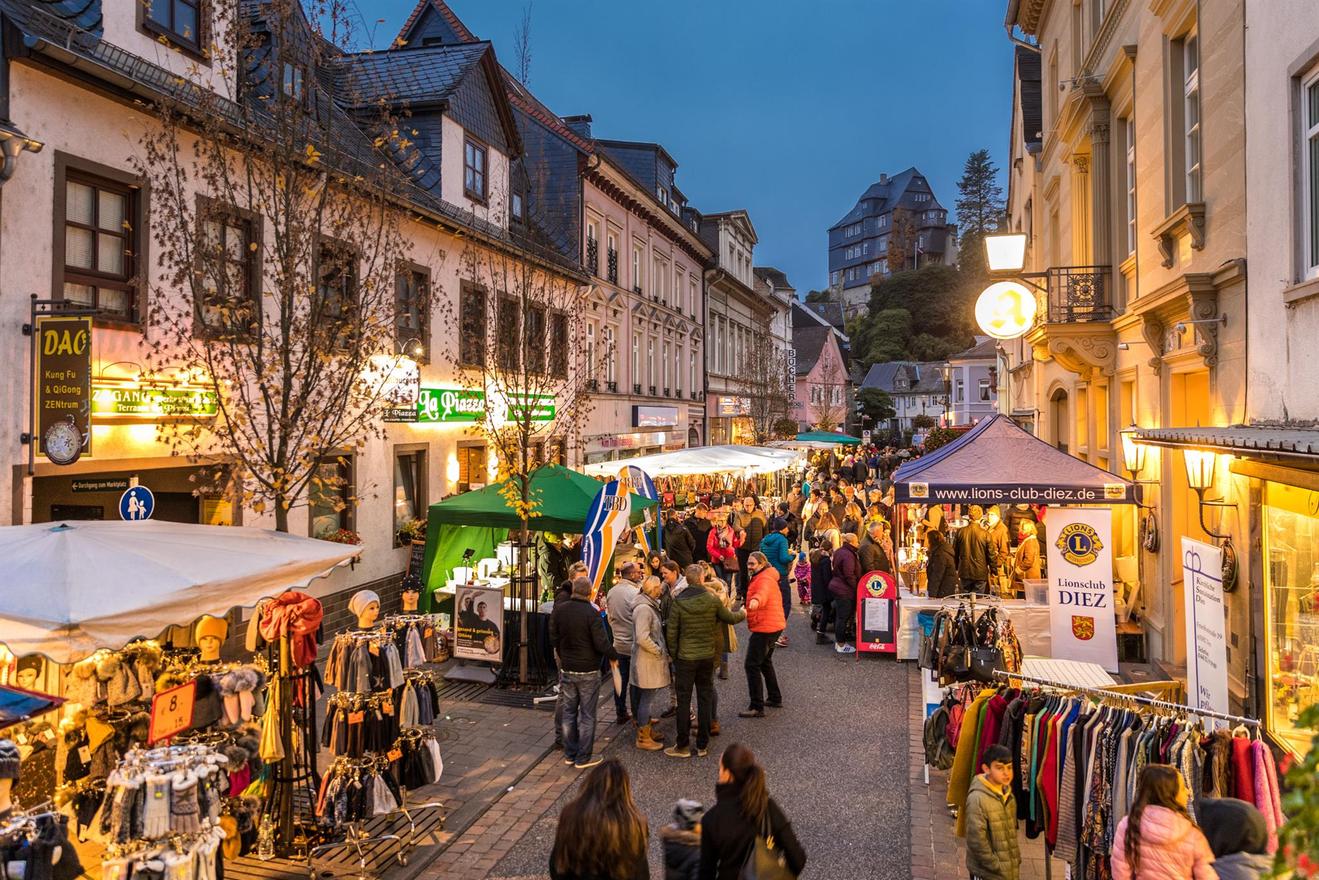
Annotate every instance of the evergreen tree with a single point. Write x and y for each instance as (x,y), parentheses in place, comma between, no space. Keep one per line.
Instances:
(980,207)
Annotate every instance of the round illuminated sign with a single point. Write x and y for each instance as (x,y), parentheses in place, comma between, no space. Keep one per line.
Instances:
(1005,310)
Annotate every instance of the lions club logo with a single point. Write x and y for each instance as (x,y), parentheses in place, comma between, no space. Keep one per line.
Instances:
(1083,627)
(1079,543)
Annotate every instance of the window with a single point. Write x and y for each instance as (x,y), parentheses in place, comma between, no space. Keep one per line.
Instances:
(533,340)
(1310,173)
(336,292)
(412,312)
(178,21)
(99,225)
(474,170)
(330,497)
(228,275)
(659,276)
(1191,114)
(409,487)
(957,391)
(693,370)
(517,206)
(636,361)
(558,345)
(592,248)
(508,334)
(664,363)
(294,81)
(984,390)
(611,368)
(677,288)
(1129,124)
(677,370)
(611,260)
(472,321)
(695,298)
(472,468)
(637,281)
(590,351)
(650,363)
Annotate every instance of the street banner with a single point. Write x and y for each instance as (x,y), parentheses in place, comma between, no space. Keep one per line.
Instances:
(478,626)
(1206,626)
(644,486)
(606,522)
(1080,552)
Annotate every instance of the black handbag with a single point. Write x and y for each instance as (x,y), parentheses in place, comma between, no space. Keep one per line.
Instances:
(765,862)
(983,662)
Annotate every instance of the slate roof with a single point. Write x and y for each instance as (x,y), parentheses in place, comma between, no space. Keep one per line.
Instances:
(455,24)
(424,75)
(985,350)
(889,193)
(829,312)
(1031,98)
(924,377)
(809,343)
(774,277)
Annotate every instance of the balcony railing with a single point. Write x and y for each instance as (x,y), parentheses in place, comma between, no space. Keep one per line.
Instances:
(1079,295)
(666,392)
(592,385)
(611,387)
(611,265)
(652,390)
(636,387)
(593,256)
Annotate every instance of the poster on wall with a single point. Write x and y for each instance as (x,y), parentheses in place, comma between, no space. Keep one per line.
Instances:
(478,625)
(1206,626)
(1081,620)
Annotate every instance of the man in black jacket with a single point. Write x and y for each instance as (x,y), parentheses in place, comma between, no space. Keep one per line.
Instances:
(578,636)
(699,526)
(975,554)
(678,543)
(873,557)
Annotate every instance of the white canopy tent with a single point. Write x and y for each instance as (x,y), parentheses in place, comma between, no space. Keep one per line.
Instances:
(71,588)
(803,444)
(747,460)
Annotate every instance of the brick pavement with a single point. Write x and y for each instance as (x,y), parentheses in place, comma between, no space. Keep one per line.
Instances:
(936,853)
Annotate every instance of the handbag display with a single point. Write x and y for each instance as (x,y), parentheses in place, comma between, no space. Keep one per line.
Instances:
(983,662)
(764,862)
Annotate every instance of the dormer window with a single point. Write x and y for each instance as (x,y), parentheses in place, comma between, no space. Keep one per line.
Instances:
(517,206)
(474,171)
(179,22)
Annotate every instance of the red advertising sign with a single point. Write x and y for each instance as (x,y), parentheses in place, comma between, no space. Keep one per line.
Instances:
(877,614)
(171,712)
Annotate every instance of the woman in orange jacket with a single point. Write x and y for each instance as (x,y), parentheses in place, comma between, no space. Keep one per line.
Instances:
(766,621)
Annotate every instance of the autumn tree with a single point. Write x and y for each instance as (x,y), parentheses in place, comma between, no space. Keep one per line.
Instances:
(902,253)
(277,217)
(763,381)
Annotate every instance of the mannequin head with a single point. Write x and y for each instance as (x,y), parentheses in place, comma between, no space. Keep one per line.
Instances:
(411,593)
(29,671)
(365,606)
(209,635)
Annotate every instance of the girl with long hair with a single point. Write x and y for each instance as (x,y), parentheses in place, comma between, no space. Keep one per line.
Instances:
(743,809)
(601,834)
(1158,840)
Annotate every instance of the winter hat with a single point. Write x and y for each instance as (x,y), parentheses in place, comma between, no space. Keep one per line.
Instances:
(688,813)
(9,759)
(361,599)
(778,524)
(214,627)
(1232,826)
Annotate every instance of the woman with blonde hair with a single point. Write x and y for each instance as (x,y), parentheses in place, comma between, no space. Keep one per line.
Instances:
(601,834)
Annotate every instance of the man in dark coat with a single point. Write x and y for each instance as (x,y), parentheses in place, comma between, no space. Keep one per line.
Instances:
(873,557)
(678,543)
(846,578)
(941,568)
(975,554)
(581,644)
(699,526)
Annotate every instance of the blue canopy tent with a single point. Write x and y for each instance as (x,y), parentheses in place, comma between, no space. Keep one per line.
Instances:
(997,462)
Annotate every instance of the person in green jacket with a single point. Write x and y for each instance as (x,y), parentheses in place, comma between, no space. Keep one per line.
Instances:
(992,851)
(692,635)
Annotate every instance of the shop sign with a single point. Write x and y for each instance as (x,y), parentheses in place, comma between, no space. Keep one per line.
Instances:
(111,484)
(732,406)
(654,416)
(1206,626)
(400,387)
(1081,620)
(120,401)
(478,627)
(791,357)
(64,387)
(1005,310)
(446,405)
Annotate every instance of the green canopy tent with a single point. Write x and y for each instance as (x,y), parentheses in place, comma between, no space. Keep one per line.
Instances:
(480,520)
(829,437)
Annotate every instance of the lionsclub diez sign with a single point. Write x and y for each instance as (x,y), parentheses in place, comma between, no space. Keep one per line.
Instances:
(64,387)
(1015,493)
(1080,551)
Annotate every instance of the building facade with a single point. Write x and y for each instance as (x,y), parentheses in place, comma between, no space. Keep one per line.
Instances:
(823,383)
(901,211)
(973,383)
(1127,176)
(918,390)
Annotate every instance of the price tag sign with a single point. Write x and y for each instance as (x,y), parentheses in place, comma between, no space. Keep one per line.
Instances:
(356,717)
(171,712)
(394,754)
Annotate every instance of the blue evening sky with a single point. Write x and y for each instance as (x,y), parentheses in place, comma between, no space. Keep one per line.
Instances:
(789,110)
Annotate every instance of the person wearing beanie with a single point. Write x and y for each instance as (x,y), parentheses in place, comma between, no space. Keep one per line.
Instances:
(1237,835)
(682,841)
(365,606)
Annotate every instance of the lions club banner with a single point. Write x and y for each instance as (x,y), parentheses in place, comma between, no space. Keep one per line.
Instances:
(606,522)
(1081,585)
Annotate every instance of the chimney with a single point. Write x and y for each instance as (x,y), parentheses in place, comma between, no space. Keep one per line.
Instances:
(581,125)
(883,179)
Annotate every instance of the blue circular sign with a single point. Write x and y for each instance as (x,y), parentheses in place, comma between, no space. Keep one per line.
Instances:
(137,504)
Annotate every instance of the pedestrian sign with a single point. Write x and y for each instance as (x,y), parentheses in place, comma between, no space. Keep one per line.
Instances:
(137,504)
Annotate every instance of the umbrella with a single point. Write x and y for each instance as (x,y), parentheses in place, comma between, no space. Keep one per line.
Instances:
(560,500)
(701,460)
(74,587)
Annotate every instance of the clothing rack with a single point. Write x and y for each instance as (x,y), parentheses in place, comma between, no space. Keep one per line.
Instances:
(21,820)
(1136,698)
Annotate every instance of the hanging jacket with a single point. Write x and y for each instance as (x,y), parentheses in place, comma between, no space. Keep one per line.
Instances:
(1171,848)
(964,769)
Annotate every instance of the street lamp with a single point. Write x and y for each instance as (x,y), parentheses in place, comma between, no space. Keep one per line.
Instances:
(1133,452)
(1201,467)
(1006,252)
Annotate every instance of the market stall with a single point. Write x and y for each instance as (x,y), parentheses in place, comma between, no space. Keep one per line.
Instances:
(714,474)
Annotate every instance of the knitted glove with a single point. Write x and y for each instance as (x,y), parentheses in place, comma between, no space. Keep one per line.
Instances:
(156,824)
(183,809)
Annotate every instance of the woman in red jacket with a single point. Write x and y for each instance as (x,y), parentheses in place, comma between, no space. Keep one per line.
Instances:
(722,545)
(766,622)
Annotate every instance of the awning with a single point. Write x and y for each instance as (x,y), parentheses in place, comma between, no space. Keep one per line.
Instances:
(833,437)
(71,588)
(1255,441)
(997,462)
(748,460)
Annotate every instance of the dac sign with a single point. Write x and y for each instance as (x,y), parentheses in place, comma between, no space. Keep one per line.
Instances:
(1005,310)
